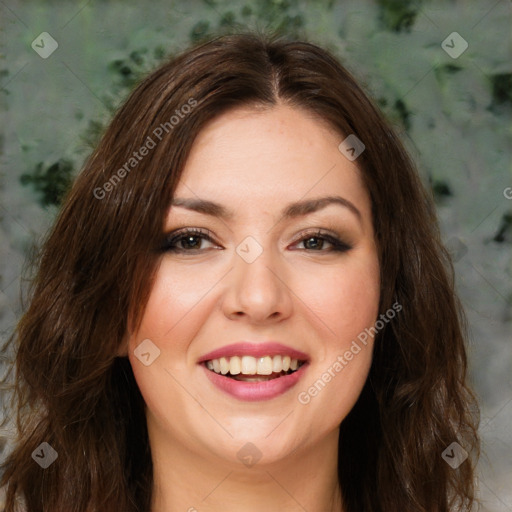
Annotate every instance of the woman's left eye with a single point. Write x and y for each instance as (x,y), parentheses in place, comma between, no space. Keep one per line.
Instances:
(316,242)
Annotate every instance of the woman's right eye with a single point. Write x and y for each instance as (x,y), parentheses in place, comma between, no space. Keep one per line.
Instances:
(189,240)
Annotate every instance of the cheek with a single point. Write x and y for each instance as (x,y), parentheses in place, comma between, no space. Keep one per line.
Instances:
(174,297)
(345,298)
(164,315)
(170,321)
(345,302)
(174,313)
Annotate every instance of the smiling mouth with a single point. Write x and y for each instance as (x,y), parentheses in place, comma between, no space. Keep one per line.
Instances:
(254,369)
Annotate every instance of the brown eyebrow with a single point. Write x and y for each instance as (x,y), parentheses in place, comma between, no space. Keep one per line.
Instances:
(292,210)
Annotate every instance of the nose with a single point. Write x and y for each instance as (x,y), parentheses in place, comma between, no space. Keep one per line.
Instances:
(258,291)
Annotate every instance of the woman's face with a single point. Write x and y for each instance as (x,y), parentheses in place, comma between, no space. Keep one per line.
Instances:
(271,273)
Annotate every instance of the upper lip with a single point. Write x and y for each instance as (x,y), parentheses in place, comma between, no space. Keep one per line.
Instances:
(245,348)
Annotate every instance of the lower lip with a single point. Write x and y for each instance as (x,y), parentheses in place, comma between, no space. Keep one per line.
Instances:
(254,391)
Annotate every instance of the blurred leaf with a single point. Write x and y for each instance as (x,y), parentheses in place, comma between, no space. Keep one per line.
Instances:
(93,133)
(443,72)
(159,52)
(397,112)
(403,113)
(440,189)
(51,183)
(136,56)
(199,31)
(504,233)
(228,19)
(246,11)
(290,24)
(501,88)
(397,15)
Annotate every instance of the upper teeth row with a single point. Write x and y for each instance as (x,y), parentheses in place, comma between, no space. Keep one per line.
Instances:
(248,365)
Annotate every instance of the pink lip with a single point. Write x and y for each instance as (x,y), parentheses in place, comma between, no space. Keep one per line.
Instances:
(254,391)
(269,348)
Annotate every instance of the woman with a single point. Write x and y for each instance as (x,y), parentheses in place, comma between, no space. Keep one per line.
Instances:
(244,303)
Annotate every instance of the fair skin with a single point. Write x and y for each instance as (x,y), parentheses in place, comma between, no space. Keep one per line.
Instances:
(298,292)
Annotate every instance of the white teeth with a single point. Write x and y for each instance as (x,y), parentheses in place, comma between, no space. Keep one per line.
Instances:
(224,365)
(264,366)
(248,365)
(235,365)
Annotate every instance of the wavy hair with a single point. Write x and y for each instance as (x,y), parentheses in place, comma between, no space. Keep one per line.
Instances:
(97,264)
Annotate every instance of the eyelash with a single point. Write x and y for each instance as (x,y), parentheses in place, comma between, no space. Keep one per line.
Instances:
(171,239)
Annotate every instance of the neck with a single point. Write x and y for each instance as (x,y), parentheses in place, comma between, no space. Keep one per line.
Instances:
(188,481)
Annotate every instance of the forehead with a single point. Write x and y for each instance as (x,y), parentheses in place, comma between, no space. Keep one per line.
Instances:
(250,157)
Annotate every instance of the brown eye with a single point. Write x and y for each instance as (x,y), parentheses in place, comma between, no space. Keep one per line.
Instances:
(189,240)
(314,242)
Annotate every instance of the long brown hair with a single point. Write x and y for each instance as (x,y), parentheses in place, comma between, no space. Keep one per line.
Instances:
(98,262)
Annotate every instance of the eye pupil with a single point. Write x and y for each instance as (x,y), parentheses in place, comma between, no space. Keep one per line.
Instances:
(191,238)
(317,245)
